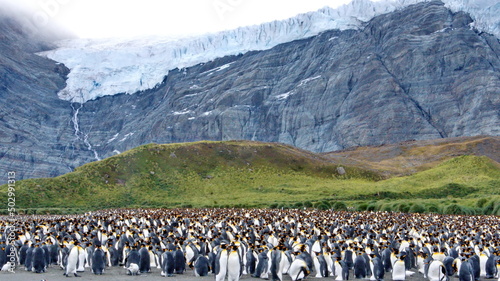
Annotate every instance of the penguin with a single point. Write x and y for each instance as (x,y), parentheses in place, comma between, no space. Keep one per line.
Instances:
(22,253)
(133,257)
(307,258)
(251,261)
(466,272)
(475,264)
(179,261)
(9,266)
(98,260)
(421,257)
(436,271)
(427,264)
(234,264)
(154,258)
(29,258)
(320,265)
(211,260)
(348,257)
(399,269)
(338,267)
(3,254)
(377,268)
(491,267)
(278,259)
(73,259)
(191,254)
(360,267)
(386,259)
(168,265)
(82,257)
(262,265)
(89,253)
(114,256)
(39,259)
(201,266)
(133,269)
(450,264)
(144,260)
(53,250)
(221,263)
(298,270)
(483,258)
(62,257)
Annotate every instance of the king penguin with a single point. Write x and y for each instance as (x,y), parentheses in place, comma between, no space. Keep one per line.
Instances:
(201,266)
(168,265)
(491,267)
(298,270)
(234,264)
(466,272)
(359,266)
(144,260)
(221,263)
(450,264)
(98,260)
(22,253)
(251,258)
(377,268)
(29,258)
(399,269)
(436,271)
(73,259)
(179,261)
(262,265)
(39,261)
(278,259)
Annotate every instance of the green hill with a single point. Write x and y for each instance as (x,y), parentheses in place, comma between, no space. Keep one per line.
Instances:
(254,174)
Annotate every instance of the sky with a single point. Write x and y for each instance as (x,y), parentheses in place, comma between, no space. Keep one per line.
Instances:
(131,18)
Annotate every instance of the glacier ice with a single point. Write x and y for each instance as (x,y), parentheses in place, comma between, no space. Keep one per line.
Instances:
(101,67)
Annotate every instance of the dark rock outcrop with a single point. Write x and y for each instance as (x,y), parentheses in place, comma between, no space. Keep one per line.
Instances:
(418,73)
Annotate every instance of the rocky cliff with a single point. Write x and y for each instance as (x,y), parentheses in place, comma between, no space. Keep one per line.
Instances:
(417,73)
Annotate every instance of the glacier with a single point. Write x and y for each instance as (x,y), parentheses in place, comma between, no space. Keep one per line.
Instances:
(102,67)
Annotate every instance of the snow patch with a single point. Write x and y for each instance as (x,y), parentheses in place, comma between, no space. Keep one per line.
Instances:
(307,80)
(284,96)
(184,111)
(126,137)
(211,71)
(113,138)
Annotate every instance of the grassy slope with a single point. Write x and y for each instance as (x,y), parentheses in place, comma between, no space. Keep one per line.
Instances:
(414,156)
(253,174)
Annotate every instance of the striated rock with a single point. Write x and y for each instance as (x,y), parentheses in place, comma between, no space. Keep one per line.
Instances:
(417,73)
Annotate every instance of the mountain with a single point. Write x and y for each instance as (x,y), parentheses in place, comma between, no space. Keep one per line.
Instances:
(419,72)
(255,174)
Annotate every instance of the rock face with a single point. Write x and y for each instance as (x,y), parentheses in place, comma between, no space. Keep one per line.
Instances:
(417,73)
(35,135)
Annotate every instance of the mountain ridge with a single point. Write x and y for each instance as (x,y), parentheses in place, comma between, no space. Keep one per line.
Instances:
(417,73)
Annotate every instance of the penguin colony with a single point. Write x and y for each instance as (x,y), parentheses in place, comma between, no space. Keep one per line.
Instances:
(258,243)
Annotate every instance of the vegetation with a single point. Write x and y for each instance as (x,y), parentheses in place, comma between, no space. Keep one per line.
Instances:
(253,174)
